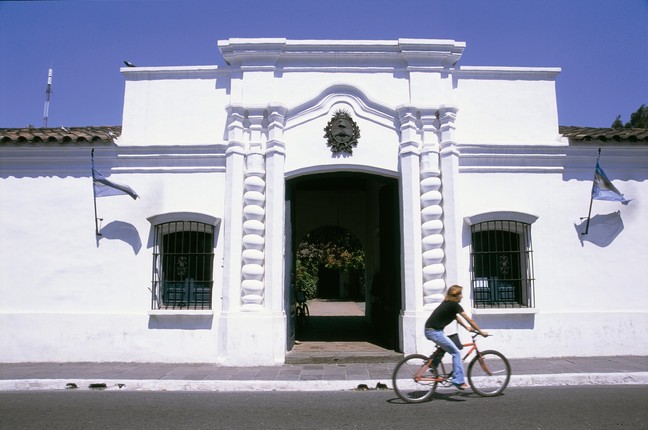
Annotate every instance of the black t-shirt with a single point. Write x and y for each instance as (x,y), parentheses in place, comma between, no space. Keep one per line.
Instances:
(443,315)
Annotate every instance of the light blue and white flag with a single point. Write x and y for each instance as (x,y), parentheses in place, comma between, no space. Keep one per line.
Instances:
(603,189)
(104,187)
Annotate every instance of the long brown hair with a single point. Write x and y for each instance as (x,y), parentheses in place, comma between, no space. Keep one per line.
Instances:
(452,295)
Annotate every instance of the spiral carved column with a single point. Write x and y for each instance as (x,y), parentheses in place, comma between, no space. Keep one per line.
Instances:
(253,254)
(432,239)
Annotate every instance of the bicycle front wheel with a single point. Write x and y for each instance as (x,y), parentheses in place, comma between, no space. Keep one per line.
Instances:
(489,373)
(413,381)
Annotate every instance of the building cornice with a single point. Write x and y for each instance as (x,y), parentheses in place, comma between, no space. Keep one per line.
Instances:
(367,53)
(75,161)
(173,72)
(495,72)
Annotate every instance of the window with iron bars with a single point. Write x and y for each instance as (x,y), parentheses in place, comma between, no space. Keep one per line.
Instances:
(183,258)
(502,265)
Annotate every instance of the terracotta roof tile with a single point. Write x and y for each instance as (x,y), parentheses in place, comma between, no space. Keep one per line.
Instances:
(103,134)
(60,135)
(585,134)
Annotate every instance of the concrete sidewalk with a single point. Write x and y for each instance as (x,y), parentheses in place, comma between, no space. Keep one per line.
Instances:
(344,375)
(333,356)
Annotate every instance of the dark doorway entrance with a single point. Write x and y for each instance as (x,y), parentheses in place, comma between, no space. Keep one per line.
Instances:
(350,309)
(329,283)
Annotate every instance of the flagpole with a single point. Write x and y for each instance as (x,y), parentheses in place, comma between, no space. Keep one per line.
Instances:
(592,195)
(94,195)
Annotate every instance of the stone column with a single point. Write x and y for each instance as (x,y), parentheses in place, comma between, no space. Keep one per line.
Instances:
(275,227)
(275,210)
(449,164)
(252,327)
(232,221)
(409,154)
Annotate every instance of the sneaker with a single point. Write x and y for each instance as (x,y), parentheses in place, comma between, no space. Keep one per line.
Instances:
(460,386)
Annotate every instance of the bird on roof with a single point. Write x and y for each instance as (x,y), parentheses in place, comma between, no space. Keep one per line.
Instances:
(129,64)
(65,129)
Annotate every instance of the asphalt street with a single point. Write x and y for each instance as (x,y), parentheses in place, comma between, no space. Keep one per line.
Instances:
(582,407)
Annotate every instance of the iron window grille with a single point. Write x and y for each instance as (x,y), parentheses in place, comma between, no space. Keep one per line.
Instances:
(502,265)
(183,258)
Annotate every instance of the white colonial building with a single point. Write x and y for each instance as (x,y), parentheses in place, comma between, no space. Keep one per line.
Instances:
(444,174)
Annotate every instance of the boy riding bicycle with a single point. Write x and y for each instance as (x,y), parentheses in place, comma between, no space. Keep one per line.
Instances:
(448,311)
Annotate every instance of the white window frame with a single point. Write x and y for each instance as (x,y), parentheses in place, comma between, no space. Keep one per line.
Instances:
(526,266)
(171,218)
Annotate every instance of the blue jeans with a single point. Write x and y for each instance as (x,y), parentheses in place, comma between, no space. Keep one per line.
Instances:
(440,338)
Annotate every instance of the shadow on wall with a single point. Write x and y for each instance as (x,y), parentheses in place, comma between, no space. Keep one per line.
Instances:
(505,321)
(181,322)
(603,229)
(119,230)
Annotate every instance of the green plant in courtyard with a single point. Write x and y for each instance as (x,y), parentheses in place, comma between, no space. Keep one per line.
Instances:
(331,247)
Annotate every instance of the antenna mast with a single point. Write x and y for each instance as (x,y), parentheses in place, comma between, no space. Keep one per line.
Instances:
(48,91)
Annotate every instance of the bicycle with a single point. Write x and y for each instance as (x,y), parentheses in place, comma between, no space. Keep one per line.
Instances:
(416,377)
(302,312)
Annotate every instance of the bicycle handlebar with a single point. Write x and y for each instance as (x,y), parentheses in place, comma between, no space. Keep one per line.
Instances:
(474,334)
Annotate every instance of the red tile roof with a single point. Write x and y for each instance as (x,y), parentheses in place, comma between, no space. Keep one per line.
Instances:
(60,135)
(586,134)
(108,133)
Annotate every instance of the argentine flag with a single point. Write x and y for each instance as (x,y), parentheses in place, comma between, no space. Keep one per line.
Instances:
(104,187)
(603,189)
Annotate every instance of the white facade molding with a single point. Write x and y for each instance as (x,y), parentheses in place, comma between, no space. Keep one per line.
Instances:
(172,72)
(402,52)
(332,95)
(109,159)
(441,147)
(174,313)
(504,215)
(499,72)
(409,154)
(275,211)
(504,311)
(183,216)
(258,131)
(233,223)
(512,158)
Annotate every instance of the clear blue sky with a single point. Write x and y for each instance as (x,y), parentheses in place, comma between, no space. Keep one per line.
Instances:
(601,45)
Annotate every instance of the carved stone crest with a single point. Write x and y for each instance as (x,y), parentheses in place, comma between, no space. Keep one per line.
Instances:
(342,133)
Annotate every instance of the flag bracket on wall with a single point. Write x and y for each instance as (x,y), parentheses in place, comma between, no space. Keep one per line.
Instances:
(602,189)
(103,187)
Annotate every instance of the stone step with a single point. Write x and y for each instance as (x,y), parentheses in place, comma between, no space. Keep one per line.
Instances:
(342,357)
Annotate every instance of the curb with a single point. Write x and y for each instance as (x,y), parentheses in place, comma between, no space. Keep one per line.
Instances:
(566,379)
(632,378)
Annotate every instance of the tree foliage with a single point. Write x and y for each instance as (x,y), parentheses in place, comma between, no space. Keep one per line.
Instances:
(638,119)
(330,247)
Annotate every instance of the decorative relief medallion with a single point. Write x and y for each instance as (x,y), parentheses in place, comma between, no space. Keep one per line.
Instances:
(342,133)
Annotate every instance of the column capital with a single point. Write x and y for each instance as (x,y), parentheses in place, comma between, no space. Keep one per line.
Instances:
(235,147)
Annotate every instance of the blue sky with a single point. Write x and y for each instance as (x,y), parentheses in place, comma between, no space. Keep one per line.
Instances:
(601,46)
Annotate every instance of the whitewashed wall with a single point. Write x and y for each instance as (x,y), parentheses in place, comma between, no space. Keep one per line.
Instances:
(589,298)
(67,296)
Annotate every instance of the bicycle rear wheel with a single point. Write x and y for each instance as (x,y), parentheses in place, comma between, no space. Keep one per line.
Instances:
(489,375)
(413,381)
(302,314)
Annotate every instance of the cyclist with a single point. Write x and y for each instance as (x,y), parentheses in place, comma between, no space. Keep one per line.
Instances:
(448,311)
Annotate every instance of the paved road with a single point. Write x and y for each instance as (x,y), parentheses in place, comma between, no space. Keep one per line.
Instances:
(587,407)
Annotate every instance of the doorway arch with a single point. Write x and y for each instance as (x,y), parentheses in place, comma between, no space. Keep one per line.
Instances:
(364,207)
